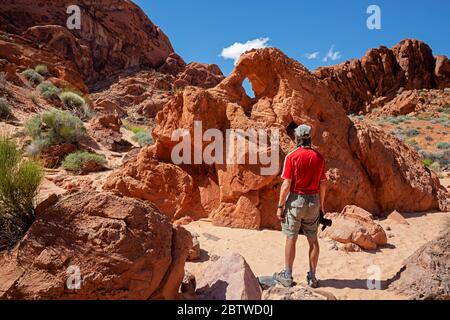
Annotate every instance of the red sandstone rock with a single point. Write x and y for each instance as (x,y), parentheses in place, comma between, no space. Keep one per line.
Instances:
(366,167)
(115,35)
(53,155)
(397,217)
(121,245)
(383,72)
(229,278)
(355,225)
(105,129)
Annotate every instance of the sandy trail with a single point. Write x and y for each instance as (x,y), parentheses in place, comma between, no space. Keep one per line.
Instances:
(343,274)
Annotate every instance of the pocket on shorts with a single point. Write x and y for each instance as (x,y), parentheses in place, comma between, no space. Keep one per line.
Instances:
(295,201)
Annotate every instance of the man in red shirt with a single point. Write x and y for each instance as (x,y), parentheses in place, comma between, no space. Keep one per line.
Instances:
(301,200)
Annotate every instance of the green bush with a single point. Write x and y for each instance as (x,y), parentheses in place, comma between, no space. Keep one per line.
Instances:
(19,180)
(131,127)
(41,69)
(71,99)
(429,138)
(427,162)
(75,161)
(53,127)
(443,145)
(412,132)
(435,166)
(33,76)
(5,109)
(143,138)
(48,90)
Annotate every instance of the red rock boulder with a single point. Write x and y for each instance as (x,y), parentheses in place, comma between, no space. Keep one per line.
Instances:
(97,246)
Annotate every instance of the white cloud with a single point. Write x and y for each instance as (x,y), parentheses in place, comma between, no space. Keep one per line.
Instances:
(332,55)
(234,51)
(312,56)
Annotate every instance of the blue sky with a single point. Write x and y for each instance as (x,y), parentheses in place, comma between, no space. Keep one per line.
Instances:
(200,29)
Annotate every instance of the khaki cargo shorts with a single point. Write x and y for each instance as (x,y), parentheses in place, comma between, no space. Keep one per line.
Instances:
(301,211)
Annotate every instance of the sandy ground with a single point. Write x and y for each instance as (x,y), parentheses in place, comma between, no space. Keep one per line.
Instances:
(343,274)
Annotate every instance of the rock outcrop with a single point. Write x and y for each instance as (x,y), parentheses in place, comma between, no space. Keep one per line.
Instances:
(355,226)
(121,248)
(426,274)
(113,35)
(143,94)
(366,167)
(382,72)
(229,278)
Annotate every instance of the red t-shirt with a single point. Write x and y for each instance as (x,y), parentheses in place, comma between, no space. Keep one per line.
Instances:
(306,168)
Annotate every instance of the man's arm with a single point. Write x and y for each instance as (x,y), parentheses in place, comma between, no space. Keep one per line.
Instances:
(323,190)
(284,193)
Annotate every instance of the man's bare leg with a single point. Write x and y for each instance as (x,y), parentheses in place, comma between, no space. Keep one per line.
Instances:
(314,251)
(289,253)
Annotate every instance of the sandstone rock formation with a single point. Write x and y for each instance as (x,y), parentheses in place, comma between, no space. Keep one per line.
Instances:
(355,225)
(426,274)
(382,72)
(413,102)
(115,35)
(105,129)
(366,167)
(122,248)
(229,278)
(298,292)
(143,94)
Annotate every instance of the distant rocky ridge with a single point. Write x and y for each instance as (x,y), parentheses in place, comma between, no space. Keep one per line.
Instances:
(370,82)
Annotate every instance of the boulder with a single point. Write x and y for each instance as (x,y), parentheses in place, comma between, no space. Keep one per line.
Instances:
(229,278)
(105,129)
(121,248)
(297,292)
(426,273)
(397,217)
(355,225)
(52,156)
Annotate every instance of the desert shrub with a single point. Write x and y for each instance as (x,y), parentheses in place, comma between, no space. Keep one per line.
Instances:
(398,134)
(131,127)
(48,90)
(443,145)
(445,109)
(424,117)
(441,120)
(5,109)
(19,180)
(441,157)
(41,69)
(71,99)
(435,166)
(3,81)
(143,138)
(412,132)
(75,161)
(429,138)
(33,97)
(33,76)
(54,127)
(427,162)
(429,127)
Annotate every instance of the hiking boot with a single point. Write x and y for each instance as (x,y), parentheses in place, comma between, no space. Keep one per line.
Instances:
(284,280)
(312,281)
